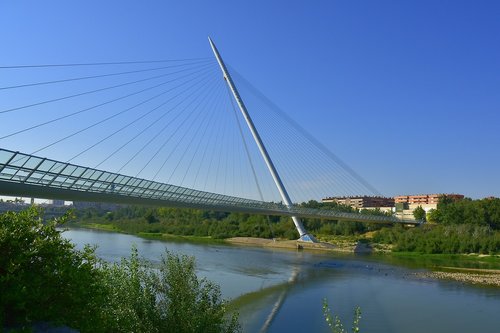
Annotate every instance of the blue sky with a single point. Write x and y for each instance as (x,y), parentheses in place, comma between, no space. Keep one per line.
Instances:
(405,92)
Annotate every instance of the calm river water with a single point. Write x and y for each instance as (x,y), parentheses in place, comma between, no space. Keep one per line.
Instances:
(282,291)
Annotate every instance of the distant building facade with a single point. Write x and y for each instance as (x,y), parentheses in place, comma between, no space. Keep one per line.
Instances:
(424,199)
(360,202)
(406,204)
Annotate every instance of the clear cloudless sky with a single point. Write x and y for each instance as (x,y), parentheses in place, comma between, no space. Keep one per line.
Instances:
(406,92)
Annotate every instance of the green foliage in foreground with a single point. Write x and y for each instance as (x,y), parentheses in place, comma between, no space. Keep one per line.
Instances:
(334,322)
(168,299)
(44,278)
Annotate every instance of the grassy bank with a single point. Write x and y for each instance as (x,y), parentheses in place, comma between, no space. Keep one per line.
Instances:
(98,226)
(149,235)
(442,260)
(180,238)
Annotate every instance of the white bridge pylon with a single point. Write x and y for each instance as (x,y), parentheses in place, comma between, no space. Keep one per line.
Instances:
(304,236)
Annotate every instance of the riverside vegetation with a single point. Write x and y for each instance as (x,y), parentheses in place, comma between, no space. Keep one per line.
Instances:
(455,227)
(44,279)
(216,225)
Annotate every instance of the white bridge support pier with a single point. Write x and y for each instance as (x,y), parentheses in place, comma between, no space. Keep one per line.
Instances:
(304,236)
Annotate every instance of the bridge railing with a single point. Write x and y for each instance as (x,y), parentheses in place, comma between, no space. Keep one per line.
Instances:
(33,170)
(16,167)
(332,213)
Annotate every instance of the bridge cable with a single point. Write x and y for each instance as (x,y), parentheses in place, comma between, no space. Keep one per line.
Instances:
(261,196)
(157,134)
(156,121)
(136,119)
(170,137)
(191,113)
(220,152)
(96,124)
(92,107)
(91,126)
(202,122)
(102,63)
(292,145)
(217,106)
(217,136)
(299,159)
(99,90)
(143,147)
(213,105)
(342,180)
(94,76)
(306,134)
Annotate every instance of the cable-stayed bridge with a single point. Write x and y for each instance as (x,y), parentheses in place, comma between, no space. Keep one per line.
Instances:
(28,175)
(175,126)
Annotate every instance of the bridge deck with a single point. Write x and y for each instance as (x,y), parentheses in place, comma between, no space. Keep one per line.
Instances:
(27,175)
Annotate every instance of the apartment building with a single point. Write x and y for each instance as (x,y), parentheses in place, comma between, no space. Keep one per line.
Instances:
(360,202)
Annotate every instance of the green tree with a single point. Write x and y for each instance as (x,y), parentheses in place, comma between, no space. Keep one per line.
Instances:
(169,299)
(433,215)
(150,216)
(419,213)
(190,304)
(42,275)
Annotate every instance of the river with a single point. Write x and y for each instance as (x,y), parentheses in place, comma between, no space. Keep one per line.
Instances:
(282,290)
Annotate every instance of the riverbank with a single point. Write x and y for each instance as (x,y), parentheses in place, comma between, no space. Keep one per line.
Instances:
(476,276)
(438,265)
(347,247)
(489,277)
(149,235)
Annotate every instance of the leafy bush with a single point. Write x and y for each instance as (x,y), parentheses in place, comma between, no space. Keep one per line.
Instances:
(168,299)
(44,278)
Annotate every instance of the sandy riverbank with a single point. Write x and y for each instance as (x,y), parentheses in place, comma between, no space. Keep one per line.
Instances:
(283,244)
(490,277)
(352,247)
(486,277)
